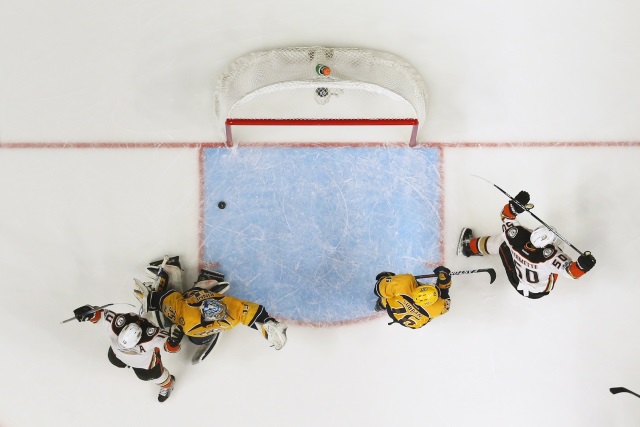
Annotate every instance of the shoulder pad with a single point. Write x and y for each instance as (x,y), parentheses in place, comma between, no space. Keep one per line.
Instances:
(548,252)
(517,236)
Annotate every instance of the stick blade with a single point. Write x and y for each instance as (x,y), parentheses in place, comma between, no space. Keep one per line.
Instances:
(616,390)
(492,274)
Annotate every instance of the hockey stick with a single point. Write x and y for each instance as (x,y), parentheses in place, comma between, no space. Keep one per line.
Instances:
(102,307)
(204,350)
(491,271)
(616,390)
(525,208)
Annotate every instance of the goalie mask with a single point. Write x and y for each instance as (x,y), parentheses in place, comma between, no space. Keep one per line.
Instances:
(212,309)
(129,336)
(425,295)
(542,236)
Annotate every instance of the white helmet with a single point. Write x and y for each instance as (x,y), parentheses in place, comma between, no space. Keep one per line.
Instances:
(212,309)
(129,336)
(542,236)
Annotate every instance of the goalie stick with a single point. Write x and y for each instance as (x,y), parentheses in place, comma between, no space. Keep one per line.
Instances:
(528,209)
(102,307)
(616,390)
(204,350)
(491,271)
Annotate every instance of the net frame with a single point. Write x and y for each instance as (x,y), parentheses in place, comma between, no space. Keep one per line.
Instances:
(261,73)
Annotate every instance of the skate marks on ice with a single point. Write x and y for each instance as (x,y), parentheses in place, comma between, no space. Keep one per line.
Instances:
(305,230)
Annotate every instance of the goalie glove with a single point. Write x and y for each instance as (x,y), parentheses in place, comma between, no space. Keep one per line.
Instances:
(275,332)
(142,292)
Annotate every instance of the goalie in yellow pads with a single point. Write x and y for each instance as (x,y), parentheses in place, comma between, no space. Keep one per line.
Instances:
(203,311)
(409,302)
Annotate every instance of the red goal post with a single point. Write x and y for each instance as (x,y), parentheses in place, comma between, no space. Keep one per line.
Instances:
(320,87)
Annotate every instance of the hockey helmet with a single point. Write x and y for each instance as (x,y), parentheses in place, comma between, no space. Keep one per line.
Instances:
(213,309)
(425,295)
(542,236)
(129,336)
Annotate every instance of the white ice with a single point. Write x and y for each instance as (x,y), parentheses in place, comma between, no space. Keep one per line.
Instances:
(512,84)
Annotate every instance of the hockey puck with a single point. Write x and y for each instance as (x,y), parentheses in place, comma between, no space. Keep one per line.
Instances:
(222,205)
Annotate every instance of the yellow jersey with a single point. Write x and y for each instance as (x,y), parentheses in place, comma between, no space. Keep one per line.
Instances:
(184,310)
(395,294)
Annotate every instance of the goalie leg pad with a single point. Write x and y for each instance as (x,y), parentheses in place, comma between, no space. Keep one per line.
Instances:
(169,277)
(210,275)
(142,292)
(174,260)
(213,286)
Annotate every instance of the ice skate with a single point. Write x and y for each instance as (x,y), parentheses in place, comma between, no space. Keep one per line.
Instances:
(463,243)
(165,391)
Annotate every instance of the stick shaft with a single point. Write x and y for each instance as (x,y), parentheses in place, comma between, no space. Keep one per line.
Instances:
(616,390)
(533,215)
(454,273)
(102,307)
(491,271)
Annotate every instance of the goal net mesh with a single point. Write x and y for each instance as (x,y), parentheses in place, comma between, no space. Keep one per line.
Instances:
(295,84)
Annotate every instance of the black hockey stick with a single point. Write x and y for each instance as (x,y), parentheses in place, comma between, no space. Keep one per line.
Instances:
(525,208)
(102,307)
(204,350)
(616,390)
(491,271)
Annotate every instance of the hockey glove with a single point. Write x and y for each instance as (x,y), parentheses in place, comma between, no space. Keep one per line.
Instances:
(84,313)
(444,277)
(586,261)
(172,345)
(384,274)
(522,198)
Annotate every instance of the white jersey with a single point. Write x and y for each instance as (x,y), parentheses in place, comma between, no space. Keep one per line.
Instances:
(143,354)
(537,268)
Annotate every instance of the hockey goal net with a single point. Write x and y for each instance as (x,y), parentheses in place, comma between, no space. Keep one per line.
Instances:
(372,93)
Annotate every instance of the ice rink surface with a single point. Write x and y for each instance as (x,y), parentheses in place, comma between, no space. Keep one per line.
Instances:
(307,231)
(105,112)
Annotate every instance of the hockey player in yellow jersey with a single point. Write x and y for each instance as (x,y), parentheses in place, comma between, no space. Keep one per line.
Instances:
(409,302)
(203,311)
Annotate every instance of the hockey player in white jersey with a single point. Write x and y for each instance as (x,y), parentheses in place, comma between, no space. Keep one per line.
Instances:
(135,342)
(532,259)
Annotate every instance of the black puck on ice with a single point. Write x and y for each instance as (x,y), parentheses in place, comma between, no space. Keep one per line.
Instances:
(222,205)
